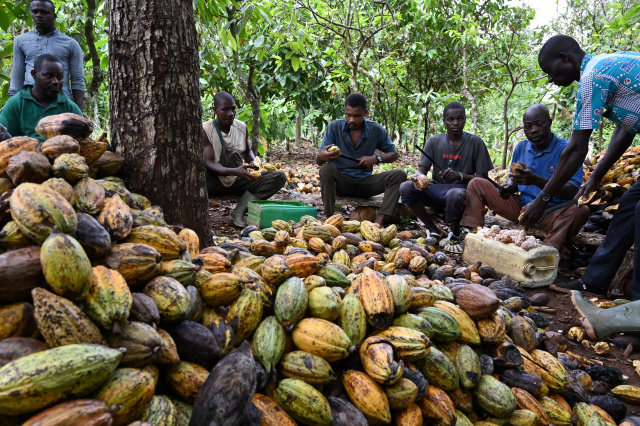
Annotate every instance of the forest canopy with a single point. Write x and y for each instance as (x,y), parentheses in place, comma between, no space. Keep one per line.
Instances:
(291,63)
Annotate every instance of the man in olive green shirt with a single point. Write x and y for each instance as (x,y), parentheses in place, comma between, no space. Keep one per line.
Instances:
(22,112)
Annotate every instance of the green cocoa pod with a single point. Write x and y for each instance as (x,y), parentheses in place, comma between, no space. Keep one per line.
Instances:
(245,314)
(66,266)
(495,397)
(324,303)
(353,319)
(268,342)
(445,326)
(291,302)
(468,366)
(415,322)
(439,371)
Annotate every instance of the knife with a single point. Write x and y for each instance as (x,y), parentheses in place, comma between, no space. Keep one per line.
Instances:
(349,158)
(560,206)
(493,182)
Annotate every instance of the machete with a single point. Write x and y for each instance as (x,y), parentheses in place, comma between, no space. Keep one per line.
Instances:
(560,206)
(349,158)
(493,182)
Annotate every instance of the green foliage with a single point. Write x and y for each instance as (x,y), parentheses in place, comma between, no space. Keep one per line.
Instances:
(298,59)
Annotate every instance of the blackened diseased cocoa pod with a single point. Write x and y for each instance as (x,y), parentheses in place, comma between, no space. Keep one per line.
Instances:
(345,413)
(225,397)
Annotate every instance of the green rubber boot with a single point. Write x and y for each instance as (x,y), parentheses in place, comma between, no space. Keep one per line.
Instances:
(602,323)
(237,215)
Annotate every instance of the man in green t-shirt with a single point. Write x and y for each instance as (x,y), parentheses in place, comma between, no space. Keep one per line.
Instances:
(22,112)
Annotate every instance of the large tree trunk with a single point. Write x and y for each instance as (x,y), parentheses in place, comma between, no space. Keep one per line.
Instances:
(155,106)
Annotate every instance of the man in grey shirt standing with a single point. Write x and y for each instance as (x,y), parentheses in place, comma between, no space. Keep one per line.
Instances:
(46,38)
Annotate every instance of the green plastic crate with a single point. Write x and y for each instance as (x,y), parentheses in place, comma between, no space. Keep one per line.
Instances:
(263,212)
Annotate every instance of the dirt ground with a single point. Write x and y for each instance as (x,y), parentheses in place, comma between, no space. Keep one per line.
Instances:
(560,321)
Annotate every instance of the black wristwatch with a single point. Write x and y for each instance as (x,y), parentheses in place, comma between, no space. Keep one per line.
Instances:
(545,197)
(379,158)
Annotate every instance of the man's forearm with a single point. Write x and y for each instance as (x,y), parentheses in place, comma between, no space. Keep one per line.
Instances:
(248,156)
(219,170)
(78,97)
(389,157)
(570,161)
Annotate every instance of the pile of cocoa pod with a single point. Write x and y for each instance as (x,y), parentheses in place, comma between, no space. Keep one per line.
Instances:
(110,316)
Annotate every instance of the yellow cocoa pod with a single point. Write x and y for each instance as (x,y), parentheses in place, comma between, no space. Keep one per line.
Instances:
(89,196)
(61,322)
(37,209)
(16,320)
(55,146)
(367,395)
(70,167)
(109,300)
(132,388)
(92,150)
(62,187)
(116,218)
(191,241)
(161,238)
(66,266)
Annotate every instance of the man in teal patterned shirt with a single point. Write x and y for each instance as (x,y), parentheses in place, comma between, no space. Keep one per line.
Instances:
(609,86)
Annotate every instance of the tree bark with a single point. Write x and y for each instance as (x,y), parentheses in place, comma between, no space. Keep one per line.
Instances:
(98,75)
(298,140)
(155,107)
(467,94)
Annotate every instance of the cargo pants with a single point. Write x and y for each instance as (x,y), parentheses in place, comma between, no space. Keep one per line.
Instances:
(262,188)
(333,183)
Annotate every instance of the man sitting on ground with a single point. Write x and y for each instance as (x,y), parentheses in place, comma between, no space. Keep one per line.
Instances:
(358,138)
(42,98)
(226,145)
(459,156)
(539,153)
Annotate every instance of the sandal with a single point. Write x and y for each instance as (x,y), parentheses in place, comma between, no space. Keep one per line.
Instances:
(443,242)
(454,248)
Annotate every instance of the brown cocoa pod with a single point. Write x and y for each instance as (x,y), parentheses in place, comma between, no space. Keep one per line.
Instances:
(477,301)
(20,272)
(539,299)
(144,309)
(28,166)
(16,347)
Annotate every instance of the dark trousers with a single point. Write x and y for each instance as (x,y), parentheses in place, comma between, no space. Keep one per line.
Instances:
(622,233)
(560,226)
(262,188)
(450,197)
(333,183)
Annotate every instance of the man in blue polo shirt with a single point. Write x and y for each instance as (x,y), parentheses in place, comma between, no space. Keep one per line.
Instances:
(539,154)
(358,138)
